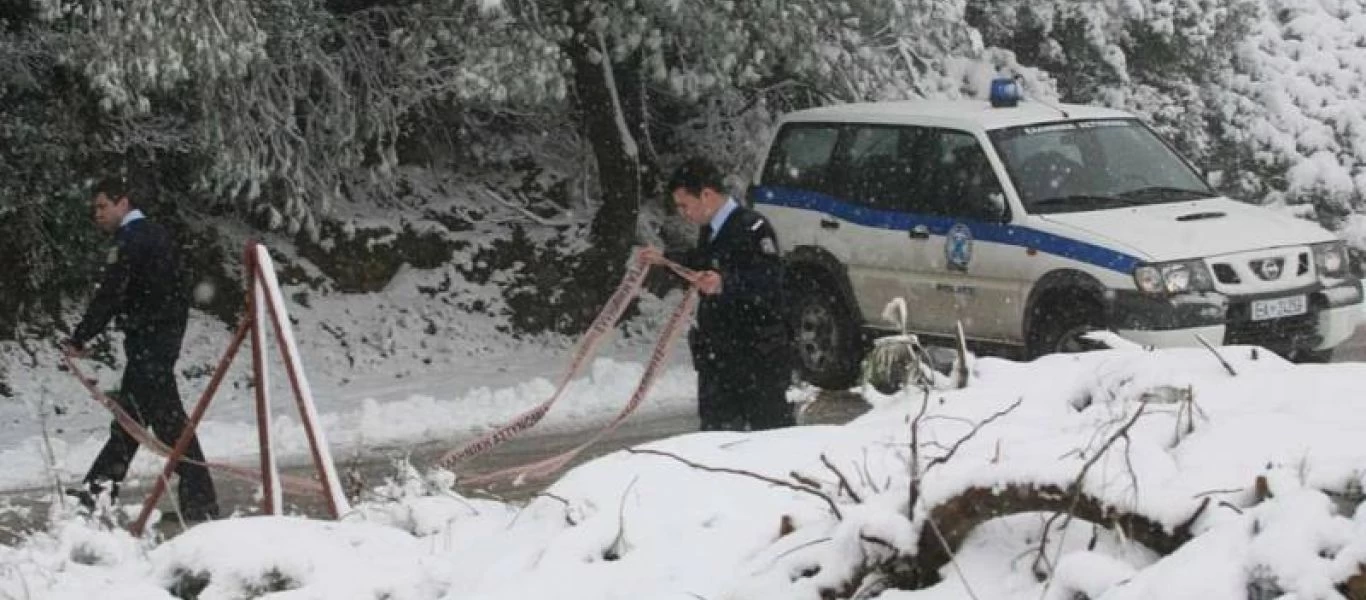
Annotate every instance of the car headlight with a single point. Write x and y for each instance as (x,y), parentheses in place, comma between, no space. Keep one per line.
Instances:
(1176,277)
(1330,259)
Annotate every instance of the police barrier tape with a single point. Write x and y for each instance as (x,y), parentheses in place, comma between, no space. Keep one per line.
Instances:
(612,312)
(550,465)
(607,318)
(144,437)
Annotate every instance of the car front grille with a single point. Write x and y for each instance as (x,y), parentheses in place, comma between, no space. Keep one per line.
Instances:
(1262,272)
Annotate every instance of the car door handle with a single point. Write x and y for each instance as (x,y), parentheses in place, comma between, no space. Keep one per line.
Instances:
(830,224)
(920,232)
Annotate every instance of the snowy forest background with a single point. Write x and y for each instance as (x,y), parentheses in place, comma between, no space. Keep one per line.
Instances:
(367,135)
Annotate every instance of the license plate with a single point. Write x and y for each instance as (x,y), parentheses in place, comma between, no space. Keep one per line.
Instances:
(1276,308)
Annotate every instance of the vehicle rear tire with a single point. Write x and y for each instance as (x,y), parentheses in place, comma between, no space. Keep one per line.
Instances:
(826,339)
(1058,327)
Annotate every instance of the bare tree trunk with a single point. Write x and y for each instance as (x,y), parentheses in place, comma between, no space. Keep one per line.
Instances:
(600,114)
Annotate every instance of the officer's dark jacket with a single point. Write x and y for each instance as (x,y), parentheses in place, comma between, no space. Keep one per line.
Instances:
(141,285)
(749,310)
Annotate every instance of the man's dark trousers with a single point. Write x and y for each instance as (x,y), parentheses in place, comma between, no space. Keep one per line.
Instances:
(148,393)
(741,385)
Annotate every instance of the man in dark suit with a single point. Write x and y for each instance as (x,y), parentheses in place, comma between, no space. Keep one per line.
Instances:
(143,288)
(740,345)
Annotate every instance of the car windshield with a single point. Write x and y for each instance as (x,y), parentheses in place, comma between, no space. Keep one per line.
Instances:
(1078,166)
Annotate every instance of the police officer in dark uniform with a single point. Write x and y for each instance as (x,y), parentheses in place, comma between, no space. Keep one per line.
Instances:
(740,345)
(142,287)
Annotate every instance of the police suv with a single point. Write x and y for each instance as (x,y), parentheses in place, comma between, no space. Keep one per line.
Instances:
(1032,224)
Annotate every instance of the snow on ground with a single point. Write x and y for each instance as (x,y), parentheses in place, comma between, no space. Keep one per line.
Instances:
(1179,433)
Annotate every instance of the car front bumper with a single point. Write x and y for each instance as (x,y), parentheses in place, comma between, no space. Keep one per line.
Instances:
(1334,314)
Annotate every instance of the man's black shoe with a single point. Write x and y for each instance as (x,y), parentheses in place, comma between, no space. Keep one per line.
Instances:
(88,495)
(200,514)
(83,497)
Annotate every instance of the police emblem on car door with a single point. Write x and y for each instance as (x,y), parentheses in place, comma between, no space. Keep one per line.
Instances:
(958,247)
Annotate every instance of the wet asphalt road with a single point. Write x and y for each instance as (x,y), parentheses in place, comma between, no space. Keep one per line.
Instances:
(24,511)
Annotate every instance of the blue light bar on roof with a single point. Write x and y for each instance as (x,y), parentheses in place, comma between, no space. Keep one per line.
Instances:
(1005,92)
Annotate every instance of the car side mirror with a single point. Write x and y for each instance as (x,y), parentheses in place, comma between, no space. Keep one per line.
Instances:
(989,207)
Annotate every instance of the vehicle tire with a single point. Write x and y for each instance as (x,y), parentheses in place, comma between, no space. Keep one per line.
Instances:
(826,339)
(1058,327)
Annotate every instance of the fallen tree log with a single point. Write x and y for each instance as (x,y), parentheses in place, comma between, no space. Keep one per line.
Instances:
(1355,586)
(957,517)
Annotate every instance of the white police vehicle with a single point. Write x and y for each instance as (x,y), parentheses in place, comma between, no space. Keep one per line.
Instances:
(1032,224)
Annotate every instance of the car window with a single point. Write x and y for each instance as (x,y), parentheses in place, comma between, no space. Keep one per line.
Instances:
(877,168)
(1094,164)
(801,157)
(959,179)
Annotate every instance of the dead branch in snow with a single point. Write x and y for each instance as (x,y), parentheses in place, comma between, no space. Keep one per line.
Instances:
(618,545)
(1227,367)
(917,474)
(843,483)
(866,477)
(1129,467)
(939,460)
(1186,412)
(567,518)
(834,509)
(1121,433)
(951,418)
(953,560)
(937,445)
(1230,506)
(914,492)
(960,367)
(799,547)
(1185,526)
(879,541)
(804,480)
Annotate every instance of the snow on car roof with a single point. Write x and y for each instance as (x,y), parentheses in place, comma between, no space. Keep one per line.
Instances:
(958,114)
